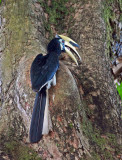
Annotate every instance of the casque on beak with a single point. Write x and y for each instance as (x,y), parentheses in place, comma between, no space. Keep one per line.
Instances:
(69,43)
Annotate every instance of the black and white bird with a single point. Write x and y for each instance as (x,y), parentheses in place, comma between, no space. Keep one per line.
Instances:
(43,75)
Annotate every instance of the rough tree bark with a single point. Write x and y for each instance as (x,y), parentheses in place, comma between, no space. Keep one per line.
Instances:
(84,105)
(99,88)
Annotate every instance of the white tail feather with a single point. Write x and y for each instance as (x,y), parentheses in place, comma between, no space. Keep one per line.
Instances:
(47,124)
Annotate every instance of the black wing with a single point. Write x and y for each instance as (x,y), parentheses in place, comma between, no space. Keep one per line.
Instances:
(43,69)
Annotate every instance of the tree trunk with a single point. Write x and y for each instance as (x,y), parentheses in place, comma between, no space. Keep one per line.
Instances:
(96,78)
(84,105)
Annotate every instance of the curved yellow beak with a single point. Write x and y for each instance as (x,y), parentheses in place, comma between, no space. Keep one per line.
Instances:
(72,45)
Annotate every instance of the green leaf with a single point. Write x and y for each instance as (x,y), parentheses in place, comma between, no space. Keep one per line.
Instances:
(119,89)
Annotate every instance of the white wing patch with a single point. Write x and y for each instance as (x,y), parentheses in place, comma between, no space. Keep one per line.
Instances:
(51,82)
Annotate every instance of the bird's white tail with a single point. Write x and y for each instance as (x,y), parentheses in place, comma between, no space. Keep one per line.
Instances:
(47,124)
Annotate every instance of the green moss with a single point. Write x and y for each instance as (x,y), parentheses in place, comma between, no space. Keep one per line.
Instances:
(108,155)
(57,12)
(16,28)
(71,125)
(110,15)
(93,135)
(18,151)
(120,18)
(112,141)
(102,145)
(58,145)
(120,4)
(14,148)
(95,156)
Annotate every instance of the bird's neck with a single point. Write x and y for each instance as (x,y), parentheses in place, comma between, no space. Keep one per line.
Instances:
(56,52)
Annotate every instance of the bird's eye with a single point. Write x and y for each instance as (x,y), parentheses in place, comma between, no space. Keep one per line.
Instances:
(62,44)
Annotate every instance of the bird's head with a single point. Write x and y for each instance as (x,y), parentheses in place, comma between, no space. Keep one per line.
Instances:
(61,44)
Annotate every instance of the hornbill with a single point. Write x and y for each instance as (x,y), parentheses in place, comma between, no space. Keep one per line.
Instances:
(43,75)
